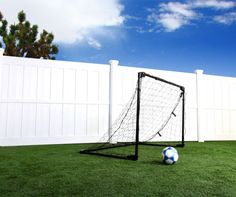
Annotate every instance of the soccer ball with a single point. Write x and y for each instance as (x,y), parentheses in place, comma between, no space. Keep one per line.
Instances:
(170,155)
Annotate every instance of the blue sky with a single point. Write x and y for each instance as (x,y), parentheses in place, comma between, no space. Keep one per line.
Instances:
(180,35)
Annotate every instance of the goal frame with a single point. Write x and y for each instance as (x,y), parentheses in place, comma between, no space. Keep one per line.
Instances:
(137,142)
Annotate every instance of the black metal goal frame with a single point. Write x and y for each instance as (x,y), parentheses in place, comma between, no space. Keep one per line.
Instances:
(137,142)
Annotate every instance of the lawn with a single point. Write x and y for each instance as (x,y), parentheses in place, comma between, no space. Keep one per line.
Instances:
(203,169)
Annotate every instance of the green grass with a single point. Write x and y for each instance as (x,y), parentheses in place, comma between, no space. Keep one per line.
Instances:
(203,169)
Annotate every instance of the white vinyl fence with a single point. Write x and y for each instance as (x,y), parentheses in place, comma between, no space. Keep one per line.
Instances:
(57,102)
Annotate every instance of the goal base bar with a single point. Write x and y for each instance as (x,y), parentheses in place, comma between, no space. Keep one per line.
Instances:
(93,151)
(108,147)
(128,157)
(156,144)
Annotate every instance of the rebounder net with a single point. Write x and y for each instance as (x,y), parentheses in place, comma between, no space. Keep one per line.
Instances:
(154,115)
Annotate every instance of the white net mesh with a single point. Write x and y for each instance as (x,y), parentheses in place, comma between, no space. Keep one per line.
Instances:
(160,114)
(160,111)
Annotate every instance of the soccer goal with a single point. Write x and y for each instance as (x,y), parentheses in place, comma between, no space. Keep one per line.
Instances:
(153,116)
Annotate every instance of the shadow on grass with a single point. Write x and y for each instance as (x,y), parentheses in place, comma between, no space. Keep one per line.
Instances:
(154,162)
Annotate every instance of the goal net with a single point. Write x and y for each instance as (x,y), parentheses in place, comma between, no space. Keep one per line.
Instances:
(153,116)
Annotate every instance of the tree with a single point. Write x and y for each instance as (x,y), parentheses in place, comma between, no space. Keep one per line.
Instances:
(22,39)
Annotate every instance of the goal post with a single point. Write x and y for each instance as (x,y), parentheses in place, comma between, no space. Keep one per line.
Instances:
(154,115)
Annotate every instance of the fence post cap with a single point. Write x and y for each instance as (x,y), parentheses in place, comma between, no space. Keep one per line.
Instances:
(113,62)
(199,71)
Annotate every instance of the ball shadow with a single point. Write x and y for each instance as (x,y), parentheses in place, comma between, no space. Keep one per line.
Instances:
(155,162)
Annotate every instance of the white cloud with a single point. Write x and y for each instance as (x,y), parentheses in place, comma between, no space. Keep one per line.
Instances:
(226,19)
(172,15)
(177,8)
(70,21)
(216,4)
(94,43)
(170,22)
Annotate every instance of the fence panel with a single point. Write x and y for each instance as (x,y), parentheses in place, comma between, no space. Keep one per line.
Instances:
(219,118)
(53,102)
(50,102)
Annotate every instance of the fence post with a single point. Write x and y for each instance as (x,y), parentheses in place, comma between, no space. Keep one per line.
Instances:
(199,95)
(1,52)
(112,88)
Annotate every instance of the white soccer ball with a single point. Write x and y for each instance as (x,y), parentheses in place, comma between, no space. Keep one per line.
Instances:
(170,155)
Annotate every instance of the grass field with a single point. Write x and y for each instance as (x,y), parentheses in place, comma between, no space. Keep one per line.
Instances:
(204,169)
